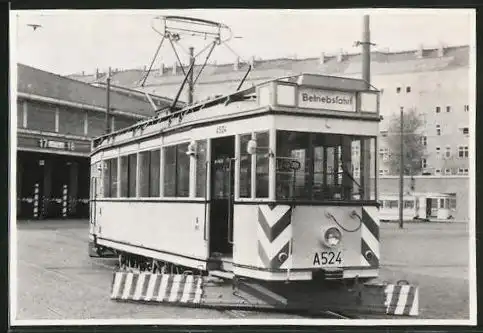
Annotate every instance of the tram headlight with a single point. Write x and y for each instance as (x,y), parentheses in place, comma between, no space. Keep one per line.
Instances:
(331,237)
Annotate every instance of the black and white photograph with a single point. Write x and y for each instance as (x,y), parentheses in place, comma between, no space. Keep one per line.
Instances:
(242,167)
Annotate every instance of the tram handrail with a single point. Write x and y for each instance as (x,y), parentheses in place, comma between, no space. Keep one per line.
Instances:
(230,198)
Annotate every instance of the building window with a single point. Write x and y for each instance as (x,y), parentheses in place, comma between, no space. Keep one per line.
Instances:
(408,89)
(110,178)
(447,171)
(424,140)
(128,176)
(245,167)
(149,163)
(448,108)
(424,163)
(447,153)
(438,150)
(467,108)
(463,152)
(437,171)
(438,109)
(384,153)
(262,166)
(201,169)
(384,133)
(466,130)
(177,167)
(438,130)
(398,90)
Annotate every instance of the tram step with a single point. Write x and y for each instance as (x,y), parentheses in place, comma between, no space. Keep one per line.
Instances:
(221,274)
(227,266)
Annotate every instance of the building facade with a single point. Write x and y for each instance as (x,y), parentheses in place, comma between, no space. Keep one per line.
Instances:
(56,119)
(432,81)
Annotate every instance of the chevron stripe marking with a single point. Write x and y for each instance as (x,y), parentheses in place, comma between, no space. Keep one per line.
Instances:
(274,262)
(414,311)
(370,224)
(118,277)
(139,287)
(410,300)
(389,291)
(401,302)
(163,287)
(394,300)
(152,283)
(199,291)
(127,285)
(274,222)
(176,281)
(187,289)
(370,240)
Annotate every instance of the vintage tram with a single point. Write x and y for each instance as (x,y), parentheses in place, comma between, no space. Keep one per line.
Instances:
(274,185)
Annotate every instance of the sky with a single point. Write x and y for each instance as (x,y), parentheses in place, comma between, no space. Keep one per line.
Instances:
(75,41)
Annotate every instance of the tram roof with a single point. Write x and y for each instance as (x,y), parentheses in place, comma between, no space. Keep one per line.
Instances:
(303,79)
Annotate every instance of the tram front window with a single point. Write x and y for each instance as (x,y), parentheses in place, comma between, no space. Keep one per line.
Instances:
(332,167)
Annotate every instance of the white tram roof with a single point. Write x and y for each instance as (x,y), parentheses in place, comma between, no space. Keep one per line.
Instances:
(308,80)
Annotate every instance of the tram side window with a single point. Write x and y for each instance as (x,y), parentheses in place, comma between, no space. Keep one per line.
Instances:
(408,204)
(262,162)
(149,173)
(170,171)
(128,176)
(110,178)
(201,168)
(177,171)
(245,167)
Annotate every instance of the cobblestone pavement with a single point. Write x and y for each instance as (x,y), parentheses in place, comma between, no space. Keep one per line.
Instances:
(57,280)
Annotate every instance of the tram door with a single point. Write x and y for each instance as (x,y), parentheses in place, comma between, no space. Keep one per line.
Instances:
(222,196)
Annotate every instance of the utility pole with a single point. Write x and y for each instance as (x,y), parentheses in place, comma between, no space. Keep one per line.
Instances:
(366,52)
(401,170)
(190,76)
(108,106)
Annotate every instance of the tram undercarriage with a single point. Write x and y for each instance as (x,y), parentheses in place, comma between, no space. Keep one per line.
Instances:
(142,279)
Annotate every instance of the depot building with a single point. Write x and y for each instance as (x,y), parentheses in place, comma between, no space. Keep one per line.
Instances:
(56,119)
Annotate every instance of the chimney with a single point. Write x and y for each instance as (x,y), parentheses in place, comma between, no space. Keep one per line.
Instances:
(441,50)
(161,68)
(322,58)
(175,65)
(236,64)
(97,73)
(340,55)
(419,52)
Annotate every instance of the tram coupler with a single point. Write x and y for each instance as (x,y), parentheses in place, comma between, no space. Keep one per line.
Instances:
(256,295)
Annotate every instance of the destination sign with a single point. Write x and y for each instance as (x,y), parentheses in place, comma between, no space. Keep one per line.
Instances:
(326,99)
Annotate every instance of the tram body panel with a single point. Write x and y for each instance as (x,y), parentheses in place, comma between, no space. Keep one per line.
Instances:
(245,238)
(327,125)
(169,227)
(309,224)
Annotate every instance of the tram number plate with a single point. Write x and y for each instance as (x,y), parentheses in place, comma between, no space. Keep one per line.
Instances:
(327,258)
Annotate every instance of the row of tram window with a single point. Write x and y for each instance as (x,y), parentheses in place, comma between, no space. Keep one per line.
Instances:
(331,167)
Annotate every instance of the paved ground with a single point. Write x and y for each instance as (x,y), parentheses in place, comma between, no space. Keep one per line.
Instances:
(57,280)
(434,256)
